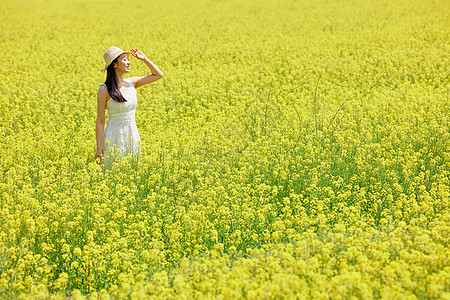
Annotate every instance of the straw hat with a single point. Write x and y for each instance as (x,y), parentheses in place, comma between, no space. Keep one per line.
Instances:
(111,55)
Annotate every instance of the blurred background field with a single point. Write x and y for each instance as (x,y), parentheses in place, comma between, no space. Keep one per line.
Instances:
(293,148)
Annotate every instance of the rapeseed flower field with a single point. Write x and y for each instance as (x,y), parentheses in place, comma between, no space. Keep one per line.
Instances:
(295,149)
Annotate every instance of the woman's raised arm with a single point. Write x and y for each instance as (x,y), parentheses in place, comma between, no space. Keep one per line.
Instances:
(156,72)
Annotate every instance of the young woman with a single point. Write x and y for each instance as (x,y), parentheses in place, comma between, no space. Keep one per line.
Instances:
(118,95)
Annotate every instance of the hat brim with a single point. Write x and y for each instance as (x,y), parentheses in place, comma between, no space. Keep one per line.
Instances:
(107,65)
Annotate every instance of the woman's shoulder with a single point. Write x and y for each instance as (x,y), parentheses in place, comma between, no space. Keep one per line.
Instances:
(130,82)
(103,92)
(103,89)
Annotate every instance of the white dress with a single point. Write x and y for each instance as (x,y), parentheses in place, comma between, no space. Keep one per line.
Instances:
(121,131)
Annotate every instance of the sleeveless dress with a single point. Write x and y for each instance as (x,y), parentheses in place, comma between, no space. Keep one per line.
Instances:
(121,131)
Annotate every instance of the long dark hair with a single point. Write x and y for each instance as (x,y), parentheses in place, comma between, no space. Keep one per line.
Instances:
(111,83)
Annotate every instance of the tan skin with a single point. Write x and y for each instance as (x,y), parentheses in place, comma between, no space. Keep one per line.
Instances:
(121,67)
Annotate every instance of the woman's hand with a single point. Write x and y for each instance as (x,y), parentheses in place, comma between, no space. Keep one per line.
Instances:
(138,54)
(99,156)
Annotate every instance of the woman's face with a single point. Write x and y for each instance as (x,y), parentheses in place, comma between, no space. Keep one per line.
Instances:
(123,64)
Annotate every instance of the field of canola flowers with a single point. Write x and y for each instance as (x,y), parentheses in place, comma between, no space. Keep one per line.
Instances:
(293,149)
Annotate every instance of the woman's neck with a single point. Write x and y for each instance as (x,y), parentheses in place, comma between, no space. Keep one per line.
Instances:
(119,78)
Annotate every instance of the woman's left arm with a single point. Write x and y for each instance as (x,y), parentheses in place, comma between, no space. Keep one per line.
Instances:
(156,72)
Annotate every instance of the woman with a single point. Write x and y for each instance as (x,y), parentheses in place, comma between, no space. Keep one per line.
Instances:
(118,95)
